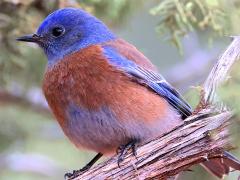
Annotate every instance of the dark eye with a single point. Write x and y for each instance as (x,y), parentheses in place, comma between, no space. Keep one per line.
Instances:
(57,31)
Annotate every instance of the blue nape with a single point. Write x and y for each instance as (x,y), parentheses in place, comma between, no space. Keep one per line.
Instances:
(81,30)
(116,58)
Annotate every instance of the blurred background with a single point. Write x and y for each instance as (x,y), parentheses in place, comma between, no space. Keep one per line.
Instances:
(182,37)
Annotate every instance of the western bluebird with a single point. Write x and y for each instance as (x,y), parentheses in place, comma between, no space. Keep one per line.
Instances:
(105,94)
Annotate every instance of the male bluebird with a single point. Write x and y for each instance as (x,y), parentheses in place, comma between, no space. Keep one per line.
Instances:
(105,94)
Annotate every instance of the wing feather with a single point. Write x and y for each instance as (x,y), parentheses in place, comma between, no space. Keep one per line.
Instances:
(157,83)
(148,77)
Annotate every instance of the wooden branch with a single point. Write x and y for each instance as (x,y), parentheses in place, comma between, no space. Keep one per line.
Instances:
(202,136)
(169,154)
(220,70)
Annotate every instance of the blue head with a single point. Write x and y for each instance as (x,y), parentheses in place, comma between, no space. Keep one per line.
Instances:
(68,30)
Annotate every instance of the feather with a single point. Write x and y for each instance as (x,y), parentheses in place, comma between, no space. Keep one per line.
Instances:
(149,78)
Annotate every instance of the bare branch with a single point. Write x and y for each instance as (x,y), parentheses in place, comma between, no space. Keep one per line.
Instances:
(220,70)
(170,154)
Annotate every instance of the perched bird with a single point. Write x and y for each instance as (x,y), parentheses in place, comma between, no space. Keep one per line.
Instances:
(105,94)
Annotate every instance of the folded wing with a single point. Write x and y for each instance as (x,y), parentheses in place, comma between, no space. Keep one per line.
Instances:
(145,76)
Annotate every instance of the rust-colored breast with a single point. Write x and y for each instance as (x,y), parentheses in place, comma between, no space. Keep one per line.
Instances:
(87,80)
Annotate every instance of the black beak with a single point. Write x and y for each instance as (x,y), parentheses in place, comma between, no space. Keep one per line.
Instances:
(30,38)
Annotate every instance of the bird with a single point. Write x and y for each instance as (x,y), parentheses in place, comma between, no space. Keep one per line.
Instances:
(105,94)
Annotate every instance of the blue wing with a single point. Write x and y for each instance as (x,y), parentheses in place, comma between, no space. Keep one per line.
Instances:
(150,79)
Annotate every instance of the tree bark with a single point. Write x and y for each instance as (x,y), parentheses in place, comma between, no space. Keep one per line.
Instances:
(203,136)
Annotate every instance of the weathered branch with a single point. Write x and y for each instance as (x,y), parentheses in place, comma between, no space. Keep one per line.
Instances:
(170,154)
(202,136)
(221,69)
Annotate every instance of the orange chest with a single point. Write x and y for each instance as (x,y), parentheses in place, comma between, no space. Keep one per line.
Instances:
(87,80)
(84,79)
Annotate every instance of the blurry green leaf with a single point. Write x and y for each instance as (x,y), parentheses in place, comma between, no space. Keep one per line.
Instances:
(184,16)
(212,2)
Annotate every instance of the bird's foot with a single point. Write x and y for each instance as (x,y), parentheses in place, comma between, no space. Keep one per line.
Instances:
(123,149)
(75,173)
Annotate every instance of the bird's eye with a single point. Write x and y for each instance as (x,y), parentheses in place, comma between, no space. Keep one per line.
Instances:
(57,31)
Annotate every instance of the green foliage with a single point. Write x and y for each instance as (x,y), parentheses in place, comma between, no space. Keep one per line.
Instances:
(114,12)
(179,17)
(13,22)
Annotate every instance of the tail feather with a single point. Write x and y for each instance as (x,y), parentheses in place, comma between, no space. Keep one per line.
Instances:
(221,166)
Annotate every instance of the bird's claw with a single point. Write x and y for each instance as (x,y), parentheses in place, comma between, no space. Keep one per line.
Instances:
(123,149)
(75,173)
(69,175)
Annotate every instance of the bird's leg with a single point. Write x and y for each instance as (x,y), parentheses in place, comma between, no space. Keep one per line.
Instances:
(85,168)
(122,150)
